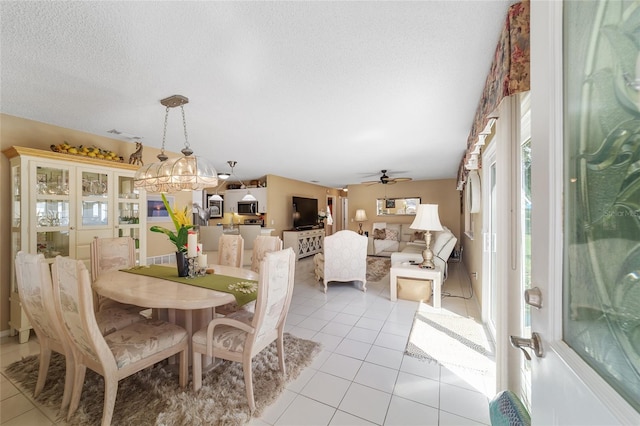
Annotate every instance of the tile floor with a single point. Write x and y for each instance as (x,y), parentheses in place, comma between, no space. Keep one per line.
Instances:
(361,377)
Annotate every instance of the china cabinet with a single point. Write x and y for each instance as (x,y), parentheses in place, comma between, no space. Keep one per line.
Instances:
(61,202)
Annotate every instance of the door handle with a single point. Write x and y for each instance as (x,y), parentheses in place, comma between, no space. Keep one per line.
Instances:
(534,343)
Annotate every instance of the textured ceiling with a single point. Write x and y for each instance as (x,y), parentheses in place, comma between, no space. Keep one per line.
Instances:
(326,92)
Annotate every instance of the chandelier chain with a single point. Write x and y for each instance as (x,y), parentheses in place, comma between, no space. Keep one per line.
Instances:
(184,123)
(162,156)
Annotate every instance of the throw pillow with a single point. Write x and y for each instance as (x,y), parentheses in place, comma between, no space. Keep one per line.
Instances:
(417,236)
(392,234)
(379,234)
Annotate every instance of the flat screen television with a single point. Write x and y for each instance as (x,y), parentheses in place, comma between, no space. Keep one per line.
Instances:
(305,213)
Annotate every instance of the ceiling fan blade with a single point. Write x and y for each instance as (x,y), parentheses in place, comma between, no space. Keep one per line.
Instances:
(370,182)
(401,179)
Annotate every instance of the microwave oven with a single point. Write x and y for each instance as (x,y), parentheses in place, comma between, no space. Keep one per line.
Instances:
(247,207)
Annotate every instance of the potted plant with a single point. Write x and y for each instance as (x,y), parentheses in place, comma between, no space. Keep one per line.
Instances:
(182,221)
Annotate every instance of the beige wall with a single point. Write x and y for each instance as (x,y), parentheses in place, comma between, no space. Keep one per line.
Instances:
(279,193)
(441,192)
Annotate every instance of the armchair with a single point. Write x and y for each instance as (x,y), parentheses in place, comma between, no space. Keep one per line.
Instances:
(344,259)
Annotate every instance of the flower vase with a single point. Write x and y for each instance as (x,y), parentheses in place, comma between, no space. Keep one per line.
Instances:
(183,264)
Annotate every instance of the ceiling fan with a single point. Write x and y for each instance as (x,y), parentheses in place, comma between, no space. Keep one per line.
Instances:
(386,180)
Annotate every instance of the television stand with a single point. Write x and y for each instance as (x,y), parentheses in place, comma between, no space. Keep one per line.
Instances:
(304,243)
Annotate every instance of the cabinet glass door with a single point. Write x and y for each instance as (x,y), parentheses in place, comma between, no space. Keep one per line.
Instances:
(95,193)
(52,211)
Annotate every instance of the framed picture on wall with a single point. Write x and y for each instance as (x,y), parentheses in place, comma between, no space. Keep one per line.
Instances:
(390,204)
(156,211)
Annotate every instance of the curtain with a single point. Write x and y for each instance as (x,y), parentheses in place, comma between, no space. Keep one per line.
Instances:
(508,75)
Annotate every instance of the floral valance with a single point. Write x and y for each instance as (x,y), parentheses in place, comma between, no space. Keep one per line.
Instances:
(509,74)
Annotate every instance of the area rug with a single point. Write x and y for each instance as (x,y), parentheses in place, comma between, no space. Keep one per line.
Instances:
(377,268)
(153,397)
(450,340)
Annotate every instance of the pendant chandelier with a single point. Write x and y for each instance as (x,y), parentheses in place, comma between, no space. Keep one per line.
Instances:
(248,196)
(186,173)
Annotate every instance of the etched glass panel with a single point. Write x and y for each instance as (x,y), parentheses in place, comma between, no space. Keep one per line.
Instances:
(602,190)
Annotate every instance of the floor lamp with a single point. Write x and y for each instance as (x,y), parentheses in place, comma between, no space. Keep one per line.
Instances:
(427,220)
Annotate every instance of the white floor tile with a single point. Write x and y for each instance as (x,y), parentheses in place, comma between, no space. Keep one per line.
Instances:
(385,357)
(337,329)
(301,381)
(347,319)
(326,388)
(465,403)
(341,366)
(271,414)
(367,403)
(353,348)
(418,389)
(306,411)
(391,341)
(403,412)
(313,323)
(420,367)
(369,323)
(377,377)
(329,342)
(340,418)
(363,335)
(448,419)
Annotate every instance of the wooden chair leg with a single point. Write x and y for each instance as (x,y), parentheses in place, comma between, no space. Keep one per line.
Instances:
(43,368)
(248,382)
(280,346)
(184,368)
(110,392)
(78,382)
(196,368)
(68,380)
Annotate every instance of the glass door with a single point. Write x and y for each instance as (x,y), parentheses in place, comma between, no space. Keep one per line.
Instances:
(53,210)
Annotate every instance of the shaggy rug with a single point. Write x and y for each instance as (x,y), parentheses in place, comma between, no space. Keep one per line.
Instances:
(377,268)
(153,397)
(450,340)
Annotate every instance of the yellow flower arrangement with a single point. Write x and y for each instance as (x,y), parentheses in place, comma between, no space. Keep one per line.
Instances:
(181,220)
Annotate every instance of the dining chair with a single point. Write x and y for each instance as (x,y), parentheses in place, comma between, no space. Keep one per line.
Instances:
(241,337)
(249,233)
(108,255)
(117,355)
(35,288)
(231,250)
(261,246)
(210,237)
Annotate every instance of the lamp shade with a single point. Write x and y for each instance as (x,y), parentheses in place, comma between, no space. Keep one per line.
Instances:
(361,215)
(427,218)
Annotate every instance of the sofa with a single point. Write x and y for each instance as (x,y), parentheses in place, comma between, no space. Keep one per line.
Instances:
(404,244)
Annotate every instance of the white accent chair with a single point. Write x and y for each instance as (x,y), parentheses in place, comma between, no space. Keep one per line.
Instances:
(118,355)
(239,337)
(36,296)
(344,259)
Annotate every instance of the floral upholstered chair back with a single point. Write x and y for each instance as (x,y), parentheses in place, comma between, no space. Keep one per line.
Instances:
(33,279)
(231,250)
(111,254)
(275,289)
(345,258)
(74,301)
(261,246)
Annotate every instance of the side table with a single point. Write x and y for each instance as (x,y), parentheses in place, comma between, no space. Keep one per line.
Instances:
(408,270)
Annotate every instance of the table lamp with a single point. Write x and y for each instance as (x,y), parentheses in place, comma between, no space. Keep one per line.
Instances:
(427,220)
(361,216)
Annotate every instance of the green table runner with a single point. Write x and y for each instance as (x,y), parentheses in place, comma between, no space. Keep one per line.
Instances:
(244,290)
